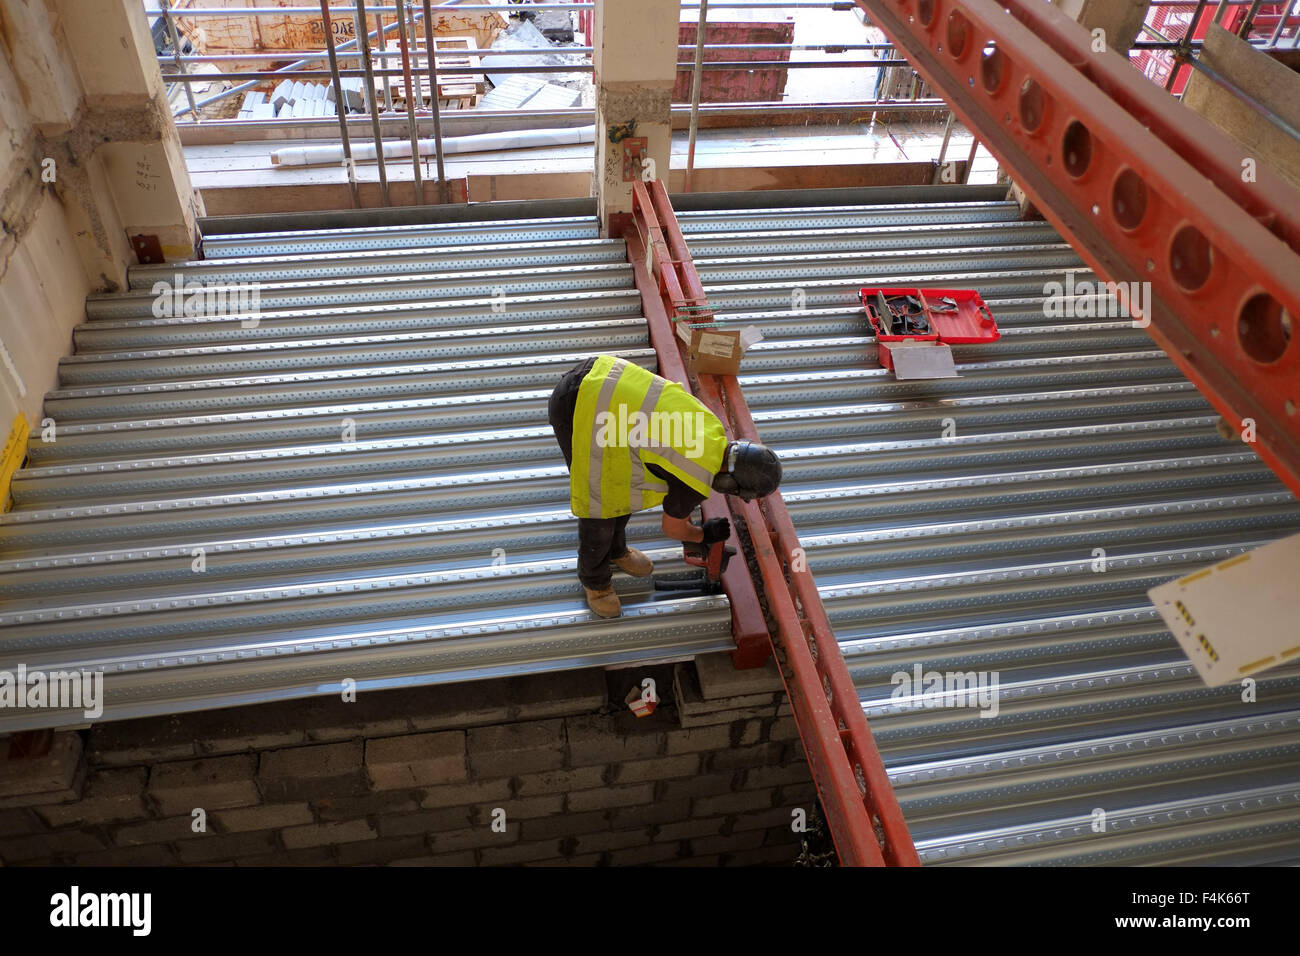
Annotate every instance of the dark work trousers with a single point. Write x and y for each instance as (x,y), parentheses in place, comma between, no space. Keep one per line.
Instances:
(600,540)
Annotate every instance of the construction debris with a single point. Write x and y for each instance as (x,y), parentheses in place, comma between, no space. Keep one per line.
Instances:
(251,101)
(512,93)
(533,91)
(530,93)
(179,102)
(294,98)
(524,36)
(460,75)
(244,32)
(553,97)
(553,24)
(464,77)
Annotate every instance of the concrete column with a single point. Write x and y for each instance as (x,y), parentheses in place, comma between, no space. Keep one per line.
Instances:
(1119,19)
(90,157)
(104,139)
(636,63)
(126,103)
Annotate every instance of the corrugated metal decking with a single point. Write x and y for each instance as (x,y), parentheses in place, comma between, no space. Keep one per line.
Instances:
(376,558)
(977,552)
(366,473)
(356,467)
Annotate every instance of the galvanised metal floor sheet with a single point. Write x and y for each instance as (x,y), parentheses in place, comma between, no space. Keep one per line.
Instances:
(1007,524)
(356,482)
(361,485)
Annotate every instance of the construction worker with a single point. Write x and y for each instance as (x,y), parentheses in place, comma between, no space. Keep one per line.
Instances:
(632,440)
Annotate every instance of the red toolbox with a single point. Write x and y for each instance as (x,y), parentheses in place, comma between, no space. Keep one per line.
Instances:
(963,319)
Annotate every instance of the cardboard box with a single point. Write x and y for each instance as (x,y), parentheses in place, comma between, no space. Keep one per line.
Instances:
(712,350)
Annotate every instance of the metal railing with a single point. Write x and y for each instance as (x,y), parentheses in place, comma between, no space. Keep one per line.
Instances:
(1164,46)
(364,57)
(1268,27)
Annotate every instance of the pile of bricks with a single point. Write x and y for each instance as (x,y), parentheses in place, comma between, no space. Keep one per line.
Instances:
(549,769)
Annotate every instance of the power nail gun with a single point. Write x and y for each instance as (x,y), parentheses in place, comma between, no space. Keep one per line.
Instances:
(712,558)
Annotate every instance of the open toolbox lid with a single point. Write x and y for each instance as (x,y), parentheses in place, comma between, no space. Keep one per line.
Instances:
(915,328)
(953,316)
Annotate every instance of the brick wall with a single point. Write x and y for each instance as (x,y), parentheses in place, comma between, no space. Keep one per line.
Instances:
(547,769)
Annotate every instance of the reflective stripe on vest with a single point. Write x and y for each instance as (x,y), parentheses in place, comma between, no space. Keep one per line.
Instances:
(608,476)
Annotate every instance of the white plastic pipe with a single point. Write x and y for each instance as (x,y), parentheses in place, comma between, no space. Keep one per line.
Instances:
(332,155)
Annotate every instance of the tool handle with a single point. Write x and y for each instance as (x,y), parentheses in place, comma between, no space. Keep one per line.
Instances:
(712,557)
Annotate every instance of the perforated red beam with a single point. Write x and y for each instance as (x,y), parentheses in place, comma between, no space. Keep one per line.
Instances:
(656,279)
(1146,190)
(864,817)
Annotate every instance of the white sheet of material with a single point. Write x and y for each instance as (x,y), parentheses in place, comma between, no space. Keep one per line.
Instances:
(1238,617)
(332,155)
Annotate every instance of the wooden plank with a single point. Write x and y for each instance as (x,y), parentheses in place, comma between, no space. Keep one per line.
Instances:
(826,155)
(327,188)
(455,72)
(501,187)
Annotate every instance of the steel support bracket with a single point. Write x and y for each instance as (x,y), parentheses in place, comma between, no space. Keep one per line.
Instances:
(661,296)
(147,249)
(856,794)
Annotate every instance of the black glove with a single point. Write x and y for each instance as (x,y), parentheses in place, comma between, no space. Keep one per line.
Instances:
(715,530)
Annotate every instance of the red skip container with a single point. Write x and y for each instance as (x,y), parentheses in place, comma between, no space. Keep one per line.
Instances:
(970,324)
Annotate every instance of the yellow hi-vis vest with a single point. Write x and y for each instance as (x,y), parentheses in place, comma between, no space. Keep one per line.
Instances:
(627,418)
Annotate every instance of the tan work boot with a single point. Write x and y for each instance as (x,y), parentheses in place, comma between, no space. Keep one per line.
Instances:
(605,603)
(635,563)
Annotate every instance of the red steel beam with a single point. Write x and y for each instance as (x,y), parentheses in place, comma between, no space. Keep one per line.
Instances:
(864,817)
(656,279)
(1146,190)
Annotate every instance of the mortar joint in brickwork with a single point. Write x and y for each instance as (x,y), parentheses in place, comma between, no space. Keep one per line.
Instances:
(568,752)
